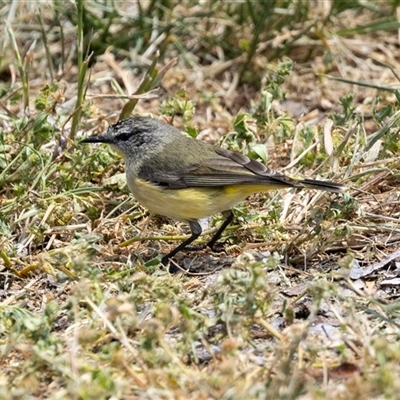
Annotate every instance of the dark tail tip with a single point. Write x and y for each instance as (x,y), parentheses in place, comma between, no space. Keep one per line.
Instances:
(324,185)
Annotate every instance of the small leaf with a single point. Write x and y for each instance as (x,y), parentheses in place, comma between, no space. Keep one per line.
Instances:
(260,150)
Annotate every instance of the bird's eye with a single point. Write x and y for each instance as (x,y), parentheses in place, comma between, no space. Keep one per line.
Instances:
(123,136)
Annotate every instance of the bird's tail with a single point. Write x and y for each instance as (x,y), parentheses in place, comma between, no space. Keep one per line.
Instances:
(323,185)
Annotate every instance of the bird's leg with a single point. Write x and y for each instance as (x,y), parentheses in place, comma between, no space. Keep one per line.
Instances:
(196,230)
(211,243)
(228,219)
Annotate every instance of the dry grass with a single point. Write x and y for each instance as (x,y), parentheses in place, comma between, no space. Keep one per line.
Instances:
(304,303)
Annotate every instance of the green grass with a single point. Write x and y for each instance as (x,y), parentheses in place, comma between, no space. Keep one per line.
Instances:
(290,311)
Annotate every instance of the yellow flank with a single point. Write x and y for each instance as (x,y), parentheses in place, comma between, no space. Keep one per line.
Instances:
(191,203)
(247,190)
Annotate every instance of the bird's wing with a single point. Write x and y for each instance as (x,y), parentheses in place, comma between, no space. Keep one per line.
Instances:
(225,168)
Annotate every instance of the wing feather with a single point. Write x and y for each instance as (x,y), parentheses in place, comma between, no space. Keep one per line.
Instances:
(231,168)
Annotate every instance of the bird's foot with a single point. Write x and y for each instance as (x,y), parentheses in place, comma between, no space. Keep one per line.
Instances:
(220,248)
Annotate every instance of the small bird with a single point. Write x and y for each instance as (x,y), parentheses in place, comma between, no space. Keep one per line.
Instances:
(186,179)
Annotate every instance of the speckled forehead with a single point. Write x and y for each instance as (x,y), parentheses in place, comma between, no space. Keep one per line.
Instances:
(121,127)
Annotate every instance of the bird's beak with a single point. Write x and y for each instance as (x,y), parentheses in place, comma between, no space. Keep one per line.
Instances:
(98,139)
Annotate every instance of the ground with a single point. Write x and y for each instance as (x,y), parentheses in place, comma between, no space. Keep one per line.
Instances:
(303,302)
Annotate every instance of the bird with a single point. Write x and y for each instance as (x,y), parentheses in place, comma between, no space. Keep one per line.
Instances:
(186,179)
